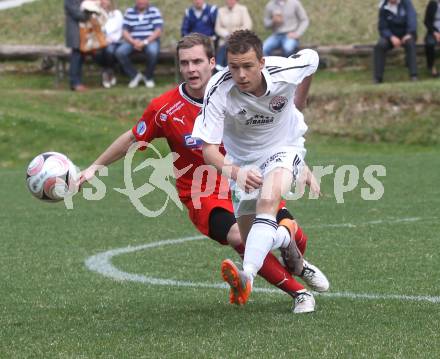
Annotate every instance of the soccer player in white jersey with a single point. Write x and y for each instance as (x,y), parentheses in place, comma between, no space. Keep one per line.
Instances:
(252,107)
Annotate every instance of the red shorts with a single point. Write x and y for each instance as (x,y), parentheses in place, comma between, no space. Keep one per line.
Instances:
(200,217)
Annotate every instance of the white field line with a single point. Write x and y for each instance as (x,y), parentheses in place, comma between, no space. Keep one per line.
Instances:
(8,4)
(101,263)
(370,223)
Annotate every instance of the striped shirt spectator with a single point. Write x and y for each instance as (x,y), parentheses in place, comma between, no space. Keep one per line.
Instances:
(142,24)
(142,29)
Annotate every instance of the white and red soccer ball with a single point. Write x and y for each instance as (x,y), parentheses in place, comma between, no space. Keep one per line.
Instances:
(51,176)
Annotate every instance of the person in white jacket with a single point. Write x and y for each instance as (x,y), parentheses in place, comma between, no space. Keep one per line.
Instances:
(230,18)
(113,33)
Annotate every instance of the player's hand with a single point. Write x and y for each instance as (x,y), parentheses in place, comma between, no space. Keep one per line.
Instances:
(249,180)
(87,174)
(307,178)
(395,41)
(138,45)
(314,185)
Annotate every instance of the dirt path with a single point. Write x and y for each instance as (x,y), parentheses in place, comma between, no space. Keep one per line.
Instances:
(7,4)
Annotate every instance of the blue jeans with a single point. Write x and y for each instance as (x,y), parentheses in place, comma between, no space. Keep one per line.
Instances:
(282,41)
(106,56)
(124,51)
(75,68)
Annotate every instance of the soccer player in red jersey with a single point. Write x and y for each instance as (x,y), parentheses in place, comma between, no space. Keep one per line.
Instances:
(172,116)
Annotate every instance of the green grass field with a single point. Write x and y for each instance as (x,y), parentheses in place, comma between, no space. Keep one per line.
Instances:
(381,256)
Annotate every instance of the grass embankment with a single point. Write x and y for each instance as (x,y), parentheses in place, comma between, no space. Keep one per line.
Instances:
(346,104)
(35,118)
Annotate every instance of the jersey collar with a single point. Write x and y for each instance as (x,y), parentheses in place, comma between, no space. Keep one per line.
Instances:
(195,101)
(268,80)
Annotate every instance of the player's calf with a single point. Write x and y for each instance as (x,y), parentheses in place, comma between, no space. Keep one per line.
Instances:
(291,255)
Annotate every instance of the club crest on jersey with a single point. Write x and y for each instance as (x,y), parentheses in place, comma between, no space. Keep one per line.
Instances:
(141,128)
(192,142)
(277,103)
(163,117)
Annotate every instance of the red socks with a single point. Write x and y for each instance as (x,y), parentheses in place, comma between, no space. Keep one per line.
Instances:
(301,240)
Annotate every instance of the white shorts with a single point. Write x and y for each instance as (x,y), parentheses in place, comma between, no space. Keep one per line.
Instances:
(291,158)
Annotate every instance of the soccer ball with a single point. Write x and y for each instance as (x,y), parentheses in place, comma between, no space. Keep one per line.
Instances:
(51,176)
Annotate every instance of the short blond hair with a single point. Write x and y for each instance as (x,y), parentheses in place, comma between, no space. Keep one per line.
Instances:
(195,39)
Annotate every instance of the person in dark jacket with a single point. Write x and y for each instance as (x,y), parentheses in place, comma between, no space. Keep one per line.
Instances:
(397,28)
(199,18)
(73,16)
(432,23)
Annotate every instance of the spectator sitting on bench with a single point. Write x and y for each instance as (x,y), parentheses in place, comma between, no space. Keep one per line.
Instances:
(288,21)
(230,18)
(141,32)
(432,23)
(113,33)
(397,27)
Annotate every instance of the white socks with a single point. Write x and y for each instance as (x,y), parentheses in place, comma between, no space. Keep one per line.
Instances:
(259,242)
(282,238)
(264,236)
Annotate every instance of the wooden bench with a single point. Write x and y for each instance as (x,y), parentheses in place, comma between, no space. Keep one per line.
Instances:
(357,50)
(346,55)
(343,55)
(58,53)
(59,56)
(349,50)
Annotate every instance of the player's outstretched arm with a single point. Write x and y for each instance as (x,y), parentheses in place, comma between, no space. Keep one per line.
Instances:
(114,152)
(302,92)
(213,157)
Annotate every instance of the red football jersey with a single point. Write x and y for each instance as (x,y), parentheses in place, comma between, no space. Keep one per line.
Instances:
(172,116)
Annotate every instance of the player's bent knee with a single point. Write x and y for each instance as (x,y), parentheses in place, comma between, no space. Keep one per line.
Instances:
(268,205)
(221,222)
(233,237)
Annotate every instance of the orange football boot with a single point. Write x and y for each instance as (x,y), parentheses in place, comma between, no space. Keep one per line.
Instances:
(240,285)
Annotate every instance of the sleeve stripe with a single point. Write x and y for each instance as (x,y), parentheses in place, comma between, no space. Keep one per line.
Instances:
(275,71)
(225,77)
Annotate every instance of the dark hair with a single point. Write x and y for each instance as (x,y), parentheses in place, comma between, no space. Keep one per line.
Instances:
(194,39)
(241,41)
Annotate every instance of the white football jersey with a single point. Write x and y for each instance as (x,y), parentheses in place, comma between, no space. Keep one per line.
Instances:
(248,125)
